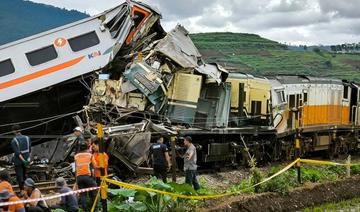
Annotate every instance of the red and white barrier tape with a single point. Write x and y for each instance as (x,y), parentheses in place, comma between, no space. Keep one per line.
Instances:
(49,197)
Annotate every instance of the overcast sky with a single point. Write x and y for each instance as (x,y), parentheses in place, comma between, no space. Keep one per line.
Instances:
(290,21)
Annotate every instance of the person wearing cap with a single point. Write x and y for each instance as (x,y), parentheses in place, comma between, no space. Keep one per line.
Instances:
(31,192)
(96,161)
(160,159)
(6,196)
(78,132)
(83,163)
(21,145)
(190,166)
(4,181)
(69,202)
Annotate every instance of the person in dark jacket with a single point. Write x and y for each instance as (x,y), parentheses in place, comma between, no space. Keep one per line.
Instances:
(21,145)
(160,159)
(68,203)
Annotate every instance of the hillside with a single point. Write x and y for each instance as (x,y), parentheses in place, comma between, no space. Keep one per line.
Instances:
(253,54)
(19,19)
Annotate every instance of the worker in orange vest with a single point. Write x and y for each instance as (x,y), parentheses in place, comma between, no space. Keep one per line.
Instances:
(96,161)
(83,164)
(4,181)
(6,196)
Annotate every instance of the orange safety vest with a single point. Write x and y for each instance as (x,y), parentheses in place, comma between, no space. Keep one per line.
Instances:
(96,162)
(82,163)
(15,207)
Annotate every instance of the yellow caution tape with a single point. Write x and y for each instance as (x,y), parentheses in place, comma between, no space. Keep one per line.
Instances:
(175,195)
(95,201)
(321,162)
(183,196)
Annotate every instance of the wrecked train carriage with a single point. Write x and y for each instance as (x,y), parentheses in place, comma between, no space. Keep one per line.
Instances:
(170,84)
(47,76)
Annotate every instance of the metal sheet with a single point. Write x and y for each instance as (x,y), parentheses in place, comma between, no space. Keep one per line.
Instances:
(148,81)
(178,46)
(213,71)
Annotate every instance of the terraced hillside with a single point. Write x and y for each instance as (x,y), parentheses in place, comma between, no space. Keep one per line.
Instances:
(251,53)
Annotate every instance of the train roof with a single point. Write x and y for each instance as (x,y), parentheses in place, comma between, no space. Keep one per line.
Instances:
(297,79)
(239,75)
(41,34)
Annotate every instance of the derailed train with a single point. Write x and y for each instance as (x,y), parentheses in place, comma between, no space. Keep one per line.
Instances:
(121,69)
(229,113)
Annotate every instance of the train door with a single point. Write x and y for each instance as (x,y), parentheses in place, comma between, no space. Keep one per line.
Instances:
(295,106)
(354,104)
(302,103)
(345,115)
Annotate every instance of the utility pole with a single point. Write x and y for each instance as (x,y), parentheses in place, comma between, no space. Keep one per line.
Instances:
(103,188)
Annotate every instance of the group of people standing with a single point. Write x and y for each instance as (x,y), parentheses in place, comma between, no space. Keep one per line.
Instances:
(87,172)
(162,163)
(87,165)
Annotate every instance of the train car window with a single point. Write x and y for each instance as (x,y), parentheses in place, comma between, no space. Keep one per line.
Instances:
(346,92)
(291,101)
(138,17)
(255,107)
(281,96)
(305,97)
(6,67)
(42,55)
(298,100)
(84,41)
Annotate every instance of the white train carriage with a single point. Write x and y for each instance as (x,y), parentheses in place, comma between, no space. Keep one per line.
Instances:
(55,56)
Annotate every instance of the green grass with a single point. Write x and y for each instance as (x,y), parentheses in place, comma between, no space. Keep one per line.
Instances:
(256,55)
(348,205)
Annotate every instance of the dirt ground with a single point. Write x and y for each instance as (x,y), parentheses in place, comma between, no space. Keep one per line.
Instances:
(307,196)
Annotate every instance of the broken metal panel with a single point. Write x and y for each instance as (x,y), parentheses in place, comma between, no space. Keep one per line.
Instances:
(107,92)
(52,151)
(131,149)
(214,106)
(161,128)
(125,26)
(127,87)
(125,129)
(178,46)
(213,72)
(136,101)
(183,97)
(148,81)
(116,20)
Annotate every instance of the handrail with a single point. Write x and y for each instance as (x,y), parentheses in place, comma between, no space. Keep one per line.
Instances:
(282,117)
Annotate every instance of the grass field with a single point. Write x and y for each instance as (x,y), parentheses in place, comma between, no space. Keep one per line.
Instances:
(348,205)
(256,55)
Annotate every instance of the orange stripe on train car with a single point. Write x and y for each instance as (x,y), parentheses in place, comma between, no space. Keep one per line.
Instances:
(325,114)
(40,73)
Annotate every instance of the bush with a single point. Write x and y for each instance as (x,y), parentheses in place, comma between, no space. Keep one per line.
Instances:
(131,200)
(311,174)
(355,169)
(256,177)
(279,184)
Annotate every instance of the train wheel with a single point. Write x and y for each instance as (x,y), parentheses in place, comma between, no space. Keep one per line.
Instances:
(339,149)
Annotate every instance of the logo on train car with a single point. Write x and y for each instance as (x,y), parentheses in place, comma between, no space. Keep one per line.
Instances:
(94,54)
(60,42)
